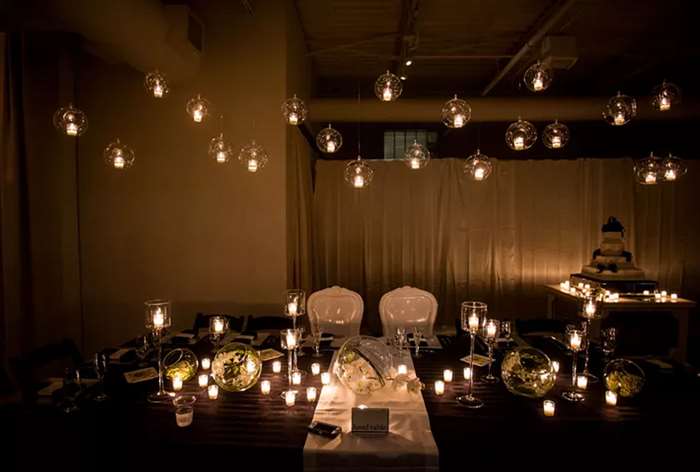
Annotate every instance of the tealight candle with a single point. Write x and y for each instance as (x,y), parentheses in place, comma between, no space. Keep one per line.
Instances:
(402,369)
(473,321)
(291,341)
(292,308)
(490,329)
(206,363)
(326,378)
(582,382)
(657,296)
(674,296)
(439,387)
(610,397)
(549,406)
(664,294)
(590,309)
(265,387)
(296,378)
(645,292)
(213,392)
(315,368)
(311,394)
(158,319)
(467,373)
(203,380)
(183,416)
(575,341)
(447,375)
(290,397)
(277,367)
(177,383)
(555,366)
(218,326)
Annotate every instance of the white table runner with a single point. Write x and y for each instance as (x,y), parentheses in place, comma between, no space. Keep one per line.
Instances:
(409,446)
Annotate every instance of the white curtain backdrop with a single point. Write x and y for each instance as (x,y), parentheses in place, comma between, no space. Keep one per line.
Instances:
(532,222)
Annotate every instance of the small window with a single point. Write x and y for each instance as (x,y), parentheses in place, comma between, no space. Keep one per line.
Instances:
(396,141)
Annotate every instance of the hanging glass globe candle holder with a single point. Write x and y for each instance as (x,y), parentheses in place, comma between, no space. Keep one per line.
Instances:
(388,87)
(456,113)
(253,157)
(358,174)
(156,84)
(647,171)
(521,135)
(555,135)
(538,77)
(478,166)
(416,156)
(118,155)
(198,108)
(219,149)
(665,95)
(70,120)
(294,111)
(673,168)
(620,109)
(329,140)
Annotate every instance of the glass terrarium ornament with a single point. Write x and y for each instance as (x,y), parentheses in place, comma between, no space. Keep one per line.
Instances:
(156,84)
(388,87)
(528,372)
(665,95)
(180,362)
(521,135)
(70,121)
(619,110)
(329,140)
(358,174)
(253,156)
(294,111)
(198,108)
(118,155)
(363,363)
(236,367)
(538,77)
(647,171)
(672,168)
(555,135)
(456,113)
(624,377)
(416,156)
(478,166)
(219,149)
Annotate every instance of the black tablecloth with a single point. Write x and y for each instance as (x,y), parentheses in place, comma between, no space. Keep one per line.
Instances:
(256,431)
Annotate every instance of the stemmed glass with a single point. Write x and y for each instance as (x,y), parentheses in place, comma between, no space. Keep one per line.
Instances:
(609,340)
(471,313)
(289,340)
(158,319)
(295,305)
(417,338)
(590,311)
(218,327)
(490,334)
(100,365)
(400,338)
(316,332)
(506,329)
(575,337)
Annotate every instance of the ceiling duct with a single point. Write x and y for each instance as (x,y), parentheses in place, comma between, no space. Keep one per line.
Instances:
(559,52)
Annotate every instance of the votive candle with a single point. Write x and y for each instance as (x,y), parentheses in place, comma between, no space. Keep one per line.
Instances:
(206,363)
(610,397)
(311,394)
(674,296)
(555,366)
(326,378)
(290,397)
(439,387)
(203,380)
(402,369)
(490,329)
(645,292)
(549,407)
(467,372)
(447,375)
(582,382)
(277,367)
(315,368)
(473,321)
(213,391)
(265,387)
(177,383)
(296,378)
(183,416)
(575,341)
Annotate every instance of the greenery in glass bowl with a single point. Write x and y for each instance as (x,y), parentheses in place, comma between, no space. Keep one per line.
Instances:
(236,367)
(528,372)
(181,362)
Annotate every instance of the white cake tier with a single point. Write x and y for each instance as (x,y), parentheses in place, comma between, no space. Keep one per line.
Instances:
(629,273)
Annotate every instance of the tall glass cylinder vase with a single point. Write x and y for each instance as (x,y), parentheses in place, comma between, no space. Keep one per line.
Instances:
(490,333)
(471,314)
(289,340)
(575,337)
(591,310)
(158,319)
(295,305)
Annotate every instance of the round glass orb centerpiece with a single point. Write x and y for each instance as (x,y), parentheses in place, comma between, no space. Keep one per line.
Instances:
(236,367)
(180,362)
(624,377)
(362,364)
(527,372)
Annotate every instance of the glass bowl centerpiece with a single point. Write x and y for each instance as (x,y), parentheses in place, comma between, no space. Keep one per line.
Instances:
(236,367)
(362,364)
(624,377)
(528,372)
(180,362)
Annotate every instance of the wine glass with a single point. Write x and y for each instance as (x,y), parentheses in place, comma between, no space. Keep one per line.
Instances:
(609,340)
(506,327)
(100,366)
(218,327)
(417,338)
(400,337)
(471,314)
(316,332)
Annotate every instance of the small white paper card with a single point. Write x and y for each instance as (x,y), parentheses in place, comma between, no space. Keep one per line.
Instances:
(140,375)
(370,421)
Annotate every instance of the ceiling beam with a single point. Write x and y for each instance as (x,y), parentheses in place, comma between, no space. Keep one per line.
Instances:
(531,42)
(352,44)
(409,13)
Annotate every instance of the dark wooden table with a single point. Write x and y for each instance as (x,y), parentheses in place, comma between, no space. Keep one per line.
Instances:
(251,430)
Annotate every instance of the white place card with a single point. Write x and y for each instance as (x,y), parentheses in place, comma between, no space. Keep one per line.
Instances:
(140,375)
(370,421)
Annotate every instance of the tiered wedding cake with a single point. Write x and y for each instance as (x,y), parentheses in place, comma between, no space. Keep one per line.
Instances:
(611,261)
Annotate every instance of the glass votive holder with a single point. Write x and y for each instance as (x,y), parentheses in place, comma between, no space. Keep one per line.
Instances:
(177,383)
(555,366)
(213,392)
(276,367)
(315,368)
(467,373)
(610,398)
(203,380)
(582,382)
(265,387)
(447,375)
(206,363)
(296,378)
(548,407)
(402,369)
(439,387)
(326,378)
(645,293)
(183,415)
(290,397)
(674,297)
(311,394)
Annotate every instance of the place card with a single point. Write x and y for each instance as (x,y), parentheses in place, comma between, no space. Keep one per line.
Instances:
(140,375)
(479,360)
(269,354)
(370,421)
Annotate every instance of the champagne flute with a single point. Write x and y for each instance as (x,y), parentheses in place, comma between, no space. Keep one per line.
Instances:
(100,365)
(417,338)
(316,332)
